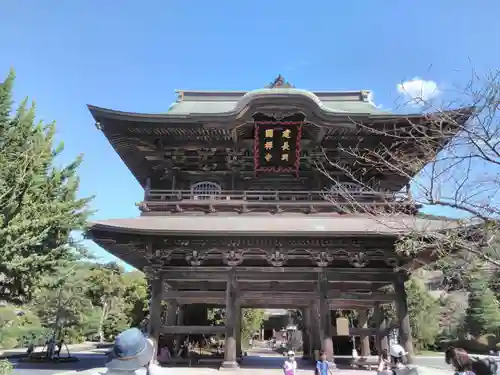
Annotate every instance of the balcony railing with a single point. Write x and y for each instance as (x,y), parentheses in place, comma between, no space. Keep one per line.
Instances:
(265,200)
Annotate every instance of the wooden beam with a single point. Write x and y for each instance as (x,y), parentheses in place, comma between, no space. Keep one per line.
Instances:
(271,294)
(201,330)
(334,295)
(276,305)
(281,274)
(194,294)
(368,331)
(276,286)
(349,305)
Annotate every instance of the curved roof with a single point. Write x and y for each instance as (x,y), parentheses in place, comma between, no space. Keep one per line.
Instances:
(197,102)
(231,104)
(269,224)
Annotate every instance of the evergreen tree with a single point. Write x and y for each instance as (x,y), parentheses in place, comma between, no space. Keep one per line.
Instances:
(106,288)
(38,203)
(251,322)
(61,302)
(423,309)
(483,312)
(494,284)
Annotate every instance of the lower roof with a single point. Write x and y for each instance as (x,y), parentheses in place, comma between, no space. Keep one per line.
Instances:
(267,224)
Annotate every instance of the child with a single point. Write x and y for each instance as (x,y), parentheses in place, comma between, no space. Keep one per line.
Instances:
(290,365)
(397,363)
(322,366)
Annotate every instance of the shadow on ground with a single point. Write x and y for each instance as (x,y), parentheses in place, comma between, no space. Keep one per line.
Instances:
(85,362)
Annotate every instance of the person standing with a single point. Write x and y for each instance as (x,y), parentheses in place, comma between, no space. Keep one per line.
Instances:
(132,354)
(397,363)
(322,365)
(290,365)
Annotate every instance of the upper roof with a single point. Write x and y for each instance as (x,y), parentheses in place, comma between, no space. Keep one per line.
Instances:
(224,120)
(208,102)
(279,95)
(196,104)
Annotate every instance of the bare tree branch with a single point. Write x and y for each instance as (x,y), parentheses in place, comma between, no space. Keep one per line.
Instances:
(448,159)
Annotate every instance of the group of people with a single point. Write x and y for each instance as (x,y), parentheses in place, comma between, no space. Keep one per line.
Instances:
(464,364)
(133,353)
(393,362)
(322,365)
(53,349)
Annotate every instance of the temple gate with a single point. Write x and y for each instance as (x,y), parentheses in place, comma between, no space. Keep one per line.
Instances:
(235,213)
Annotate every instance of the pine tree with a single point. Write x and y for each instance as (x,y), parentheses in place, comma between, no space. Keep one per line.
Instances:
(38,201)
(483,312)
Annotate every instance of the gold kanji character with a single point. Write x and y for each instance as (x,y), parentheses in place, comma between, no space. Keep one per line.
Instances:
(284,157)
(285,146)
(286,133)
(268,145)
(268,157)
(269,133)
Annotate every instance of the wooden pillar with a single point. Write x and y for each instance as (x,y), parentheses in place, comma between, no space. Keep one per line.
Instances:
(405,337)
(381,325)
(306,334)
(180,322)
(315,327)
(325,319)
(239,318)
(155,307)
(230,344)
(364,338)
(171,321)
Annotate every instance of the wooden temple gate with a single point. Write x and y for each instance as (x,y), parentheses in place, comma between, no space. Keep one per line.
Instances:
(322,276)
(236,214)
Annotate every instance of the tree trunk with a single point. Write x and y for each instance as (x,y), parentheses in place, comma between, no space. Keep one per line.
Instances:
(101,321)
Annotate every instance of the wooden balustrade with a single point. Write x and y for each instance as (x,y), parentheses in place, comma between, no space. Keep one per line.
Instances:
(242,201)
(274,196)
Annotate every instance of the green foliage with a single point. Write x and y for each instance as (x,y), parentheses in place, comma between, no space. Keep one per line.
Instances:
(61,301)
(38,201)
(483,312)
(19,327)
(6,367)
(216,316)
(251,321)
(105,289)
(69,304)
(424,311)
(135,297)
(40,268)
(494,284)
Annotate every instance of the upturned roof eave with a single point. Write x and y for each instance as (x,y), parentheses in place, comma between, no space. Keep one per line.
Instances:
(198,233)
(254,225)
(102,114)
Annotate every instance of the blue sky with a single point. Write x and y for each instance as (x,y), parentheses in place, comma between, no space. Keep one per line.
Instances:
(131,55)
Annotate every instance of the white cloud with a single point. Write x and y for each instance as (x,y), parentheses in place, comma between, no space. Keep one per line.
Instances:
(418,91)
(371,100)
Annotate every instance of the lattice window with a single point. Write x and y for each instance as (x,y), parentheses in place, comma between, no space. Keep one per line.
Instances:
(205,190)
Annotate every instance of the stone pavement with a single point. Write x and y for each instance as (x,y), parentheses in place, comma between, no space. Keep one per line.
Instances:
(259,362)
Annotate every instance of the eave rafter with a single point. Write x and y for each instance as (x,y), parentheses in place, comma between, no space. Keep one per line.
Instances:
(144,141)
(266,251)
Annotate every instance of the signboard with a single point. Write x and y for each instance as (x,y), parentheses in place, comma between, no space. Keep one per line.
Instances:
(342,327)
(277,146)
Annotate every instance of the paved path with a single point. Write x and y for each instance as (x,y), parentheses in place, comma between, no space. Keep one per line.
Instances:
(264,362)
(72,348)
